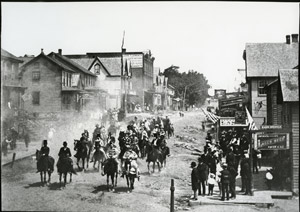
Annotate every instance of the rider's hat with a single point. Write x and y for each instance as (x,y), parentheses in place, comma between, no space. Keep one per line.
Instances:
(97,125)
(45,142)
(65,143)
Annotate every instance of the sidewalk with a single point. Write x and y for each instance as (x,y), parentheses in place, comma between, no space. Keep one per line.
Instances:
(21,152)
(261,196)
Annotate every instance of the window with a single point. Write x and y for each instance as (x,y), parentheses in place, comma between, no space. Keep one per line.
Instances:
(63,79)
(66,101)
(36,75)
(36,98)
(260,87)
(97,69)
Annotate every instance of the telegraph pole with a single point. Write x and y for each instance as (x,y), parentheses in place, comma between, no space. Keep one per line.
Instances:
(123,80)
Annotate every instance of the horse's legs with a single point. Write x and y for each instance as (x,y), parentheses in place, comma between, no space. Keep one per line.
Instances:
(41,173)
(107,181)
(149,167)
(70,177)
(49,176)
(132,182)
(60,179)
(112,181)
(94,164)
(153,167)
(116,180)
(45,177)
(65,178)
(158,164)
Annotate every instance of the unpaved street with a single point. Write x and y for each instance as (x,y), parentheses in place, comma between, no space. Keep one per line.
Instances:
(21,189)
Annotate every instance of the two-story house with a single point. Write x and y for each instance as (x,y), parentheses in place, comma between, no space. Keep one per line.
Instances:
(56,85)
(12,89)
(262,62)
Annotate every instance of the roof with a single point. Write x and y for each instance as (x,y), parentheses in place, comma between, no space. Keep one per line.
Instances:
(68,62)
(264,59)
(6,54)
(56,62)
(26,59)
(289,85)
(84,62)
(112,64)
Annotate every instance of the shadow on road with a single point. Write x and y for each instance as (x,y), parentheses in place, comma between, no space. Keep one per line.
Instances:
(103,188)
(34,185)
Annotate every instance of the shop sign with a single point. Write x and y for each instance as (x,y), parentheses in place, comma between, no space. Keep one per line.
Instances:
(273,141)
(230,122)
(264,127)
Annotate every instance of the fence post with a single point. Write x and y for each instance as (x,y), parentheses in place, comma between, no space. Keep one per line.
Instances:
(172,188)
(13,159)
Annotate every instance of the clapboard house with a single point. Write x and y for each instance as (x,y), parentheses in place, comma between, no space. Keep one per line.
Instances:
(288,97)
(56,85)
(263,60)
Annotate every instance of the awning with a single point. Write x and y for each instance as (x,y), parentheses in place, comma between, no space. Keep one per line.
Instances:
(210,116)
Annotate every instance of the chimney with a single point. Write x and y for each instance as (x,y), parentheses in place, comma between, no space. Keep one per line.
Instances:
(288,39)
(294,38)
(59,51)
(42,51)
(123,50)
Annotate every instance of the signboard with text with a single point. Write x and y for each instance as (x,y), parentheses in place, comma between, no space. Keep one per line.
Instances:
(230,122)
(273,141)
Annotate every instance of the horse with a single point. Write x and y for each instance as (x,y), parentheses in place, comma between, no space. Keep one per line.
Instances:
(44,164)
(171,131)
(64,167)
(130,175)
(99,156)
(165,152)
(111,170)
(143,145)
(83,151)
(155,156)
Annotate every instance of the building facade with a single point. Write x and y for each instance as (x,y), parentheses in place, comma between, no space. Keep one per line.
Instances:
(262,62)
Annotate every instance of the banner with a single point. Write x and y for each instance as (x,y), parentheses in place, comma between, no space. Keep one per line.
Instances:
(273,141)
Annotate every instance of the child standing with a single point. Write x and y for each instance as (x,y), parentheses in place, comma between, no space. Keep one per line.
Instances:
(269,178)
(211,183)
(195,180)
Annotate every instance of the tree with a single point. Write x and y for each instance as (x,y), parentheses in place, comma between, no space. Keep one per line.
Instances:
(195,83)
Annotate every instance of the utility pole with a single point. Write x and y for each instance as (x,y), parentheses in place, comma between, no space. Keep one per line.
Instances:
(123,80)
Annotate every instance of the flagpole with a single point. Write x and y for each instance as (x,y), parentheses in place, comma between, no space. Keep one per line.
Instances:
(250,120)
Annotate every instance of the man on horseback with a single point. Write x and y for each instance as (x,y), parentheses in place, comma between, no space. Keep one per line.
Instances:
(112,153)
(65,153)
(45,150)
(98,145)
(131,156)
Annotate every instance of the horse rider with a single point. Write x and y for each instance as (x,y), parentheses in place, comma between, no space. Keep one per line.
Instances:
(45,150)
(98,144)
(86,134)
(155,131)
(97,131)
(112,152)
(129,154)
(65,153)
(82,141)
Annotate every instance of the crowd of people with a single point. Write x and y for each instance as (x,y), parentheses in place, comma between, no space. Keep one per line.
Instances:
(219,165)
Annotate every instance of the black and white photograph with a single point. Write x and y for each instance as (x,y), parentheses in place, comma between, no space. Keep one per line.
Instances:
(154,106)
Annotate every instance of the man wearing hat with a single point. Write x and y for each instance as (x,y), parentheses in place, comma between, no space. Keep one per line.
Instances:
(203,174)
(65,153)
(128,154)
(245,173)
(194,179)
(45,150)
(225,180)
(112,152)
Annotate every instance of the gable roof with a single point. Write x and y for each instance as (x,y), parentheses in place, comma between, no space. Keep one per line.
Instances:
(68,62)
(112,64)
(84,62)
(289,86)
(42,55)
(7,55)
(264,59)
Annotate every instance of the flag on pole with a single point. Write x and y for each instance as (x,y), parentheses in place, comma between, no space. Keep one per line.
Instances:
(210,116)
(251,122)
(123,39)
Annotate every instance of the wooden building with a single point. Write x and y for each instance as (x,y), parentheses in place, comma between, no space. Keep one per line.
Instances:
(263,60)
(288,96)
(56,85)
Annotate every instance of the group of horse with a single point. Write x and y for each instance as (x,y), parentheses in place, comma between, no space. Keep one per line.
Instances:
(144,148)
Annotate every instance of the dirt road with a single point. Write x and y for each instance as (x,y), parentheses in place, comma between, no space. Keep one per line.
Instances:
(21,189)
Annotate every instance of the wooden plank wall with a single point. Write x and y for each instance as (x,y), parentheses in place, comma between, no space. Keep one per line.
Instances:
(295,146)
